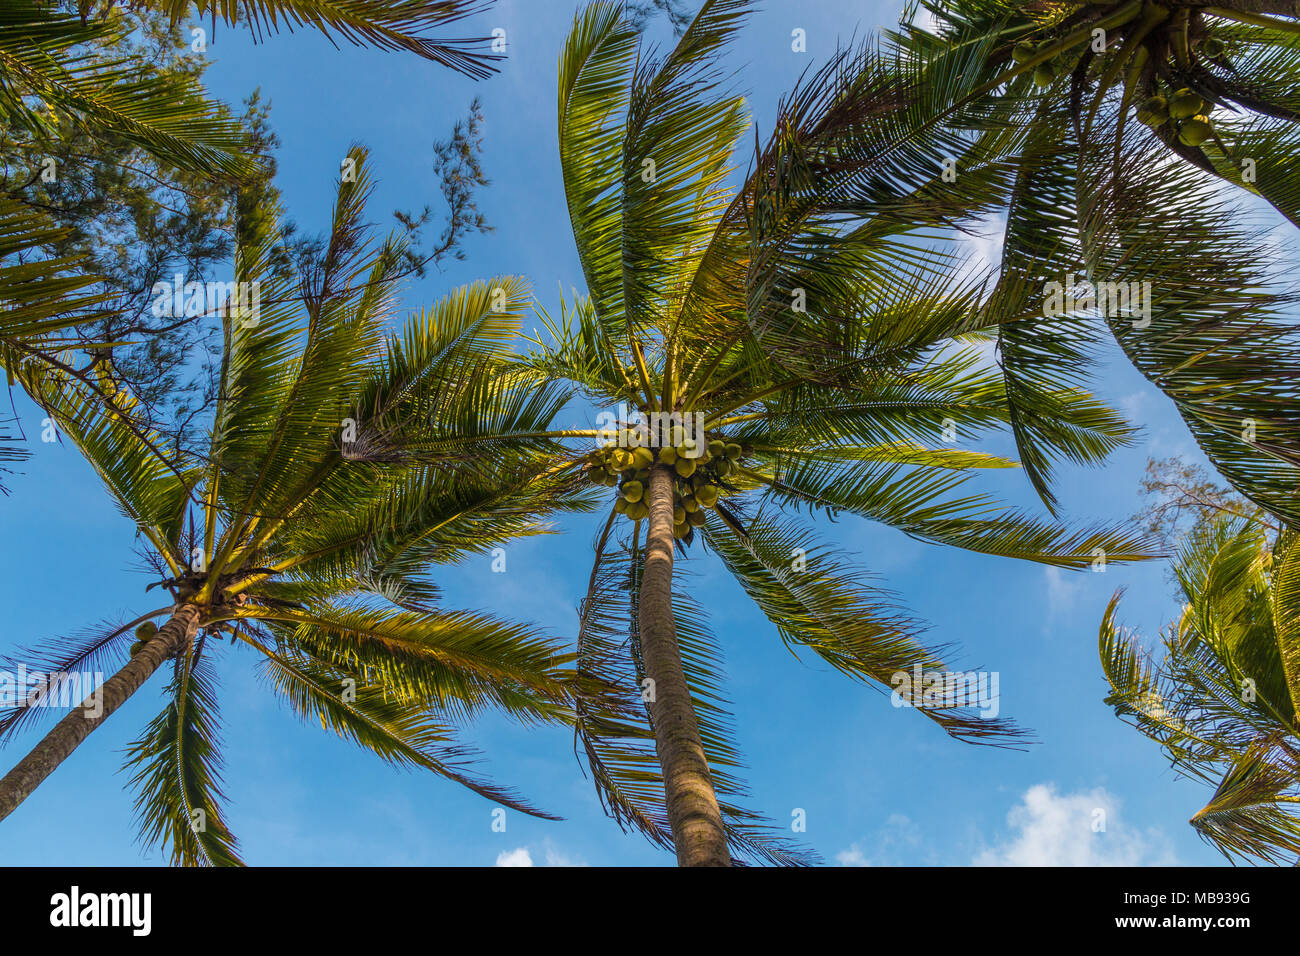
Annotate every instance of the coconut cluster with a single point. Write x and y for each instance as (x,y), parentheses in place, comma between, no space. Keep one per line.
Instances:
(1186,109)
(699,475)
(143,635)
(1045,74)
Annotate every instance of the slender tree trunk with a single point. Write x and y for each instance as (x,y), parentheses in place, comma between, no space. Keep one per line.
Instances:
(693,811)
(68,733)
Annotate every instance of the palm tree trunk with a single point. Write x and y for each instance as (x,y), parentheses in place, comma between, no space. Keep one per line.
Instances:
(68,733)
(693,812)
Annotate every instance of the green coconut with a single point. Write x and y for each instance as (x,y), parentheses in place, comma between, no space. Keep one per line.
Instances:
(1195,131)
(679,514)
(734,451)
(1212,47)
(717,448)
(146,631)
(620,505)
(697,518)
(1185,104)
(685,467)
(633,490)
(707,496)
(1023,52)
(637,510)
(137,647)
(668,455)
(690,504)
(621,459)
(1154,112)
(1044,75)
(643,458)
(681,529)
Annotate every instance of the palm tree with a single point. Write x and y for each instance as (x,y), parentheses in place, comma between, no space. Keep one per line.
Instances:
(794,345)
(53,75)
(1222,701)
(1216,84)
(1085,192)
(343,460)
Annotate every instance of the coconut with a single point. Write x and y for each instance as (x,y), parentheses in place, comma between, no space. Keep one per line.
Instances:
(621,459)
(668,455)
(707,496)
(690,504)
(637,510)
(146,631)
(1044,75)
(1023,52)
(1196,131)
(679,514)
(633,490)
(685,467)
(1185,104)
(643,458)
(717,448)
(1212,47)
(734,451)
(697,518)
(724,467)
(137,647)
(620,505)
(1154,112)
(681,529)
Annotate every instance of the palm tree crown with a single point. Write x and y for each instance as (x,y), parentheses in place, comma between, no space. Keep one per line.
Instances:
(796,344)
(343,461)
(1223,700)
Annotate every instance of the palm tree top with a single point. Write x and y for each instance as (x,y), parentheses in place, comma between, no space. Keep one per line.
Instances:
(807,340)
(345,460)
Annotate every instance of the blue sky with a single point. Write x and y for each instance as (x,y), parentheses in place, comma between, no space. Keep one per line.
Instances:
(878,785)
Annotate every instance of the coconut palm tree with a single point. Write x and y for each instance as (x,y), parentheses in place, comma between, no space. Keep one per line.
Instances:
(343,460)
(1084,194)
(1216,84)
(793,344)
(1222,700)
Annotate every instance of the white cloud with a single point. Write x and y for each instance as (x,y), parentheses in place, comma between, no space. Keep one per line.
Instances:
(524,857)
(853,856)
(555,858)
(1062,588)
(982,242)
(899,832)
(519,857)
(1076,829)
